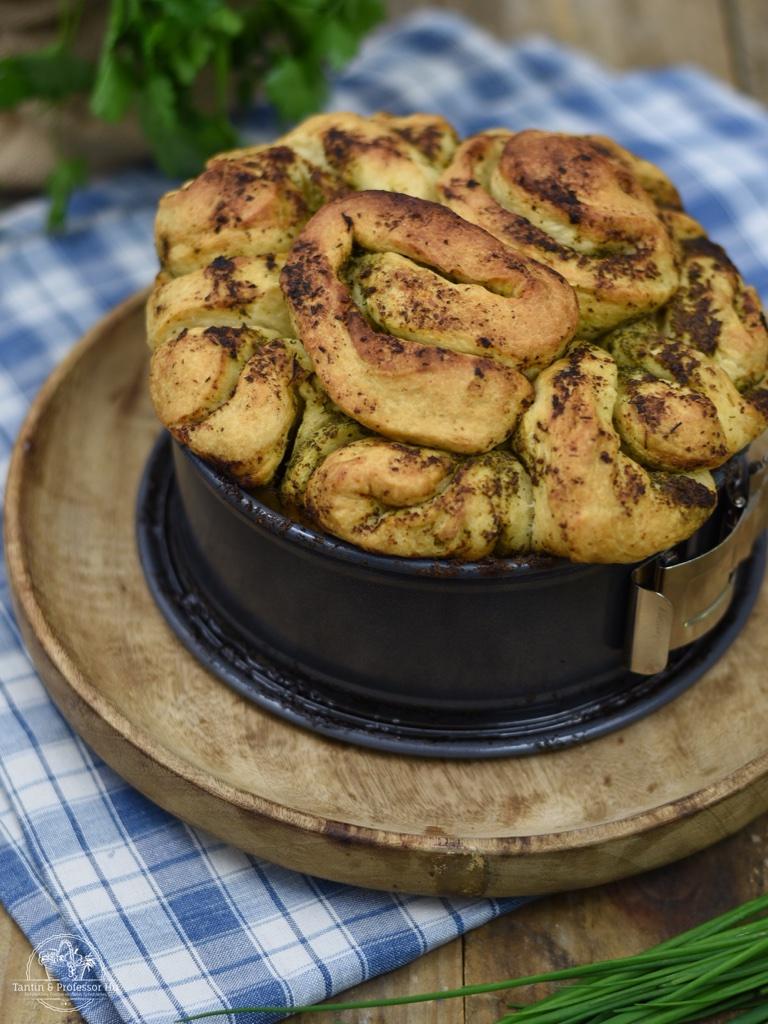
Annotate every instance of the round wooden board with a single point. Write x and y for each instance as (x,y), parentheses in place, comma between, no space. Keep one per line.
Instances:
(684,777)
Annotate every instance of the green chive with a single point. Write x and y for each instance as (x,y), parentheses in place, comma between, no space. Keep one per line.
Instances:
(718,966)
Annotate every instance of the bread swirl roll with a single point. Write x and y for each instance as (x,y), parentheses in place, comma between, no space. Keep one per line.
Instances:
(229,394)
(401,500)
(250,205)
(591,501)
(692,390)
(464,320)
(715,312)
(399,154)
(221,380)
(681,410)
(243,291)
(582,205)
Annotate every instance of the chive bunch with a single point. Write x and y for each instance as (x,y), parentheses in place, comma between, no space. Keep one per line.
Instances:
(720,966)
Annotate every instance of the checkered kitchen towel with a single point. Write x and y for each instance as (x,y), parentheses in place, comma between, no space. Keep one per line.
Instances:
(166,918)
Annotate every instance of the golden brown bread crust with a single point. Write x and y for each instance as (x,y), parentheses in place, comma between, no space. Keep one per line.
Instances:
(675,393)
(227,292)
(197,371)
(422,329)
(237,403)
(255,200)
(448,292)
(322,430)
(664,425)
(252,205)
(593,502)
(206,328)
(399,154)
(580,204)
(422,502)
(716,313)
(248,434)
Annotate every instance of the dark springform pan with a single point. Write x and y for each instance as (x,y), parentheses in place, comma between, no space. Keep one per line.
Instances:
(427,657)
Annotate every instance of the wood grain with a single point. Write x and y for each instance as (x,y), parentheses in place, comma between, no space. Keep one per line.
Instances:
(442,969)
(622,804)
(616,920)
(748,37)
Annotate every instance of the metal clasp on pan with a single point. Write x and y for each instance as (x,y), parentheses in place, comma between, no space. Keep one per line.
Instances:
(672,605)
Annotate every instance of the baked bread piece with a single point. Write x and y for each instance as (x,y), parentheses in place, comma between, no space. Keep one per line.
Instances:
(419,325)
(551,359)
(593,502)
(399,154)
(581,204)
(421,502)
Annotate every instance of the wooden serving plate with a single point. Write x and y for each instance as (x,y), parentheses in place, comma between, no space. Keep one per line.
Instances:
(680,779)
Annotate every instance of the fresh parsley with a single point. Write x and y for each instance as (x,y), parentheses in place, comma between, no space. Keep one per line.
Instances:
(186,67)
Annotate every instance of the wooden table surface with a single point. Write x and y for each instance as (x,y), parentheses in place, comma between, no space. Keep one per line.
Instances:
(729,38)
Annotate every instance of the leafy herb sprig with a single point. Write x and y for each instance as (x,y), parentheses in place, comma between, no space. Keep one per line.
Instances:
(184,66)
(720,966)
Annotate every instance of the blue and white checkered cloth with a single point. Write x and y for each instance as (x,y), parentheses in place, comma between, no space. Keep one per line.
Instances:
(175,921)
